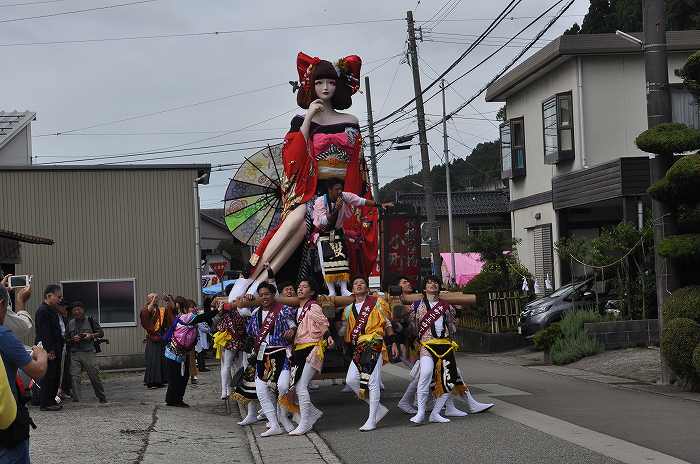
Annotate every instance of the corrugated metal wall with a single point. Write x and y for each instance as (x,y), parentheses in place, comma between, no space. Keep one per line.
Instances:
(107,224)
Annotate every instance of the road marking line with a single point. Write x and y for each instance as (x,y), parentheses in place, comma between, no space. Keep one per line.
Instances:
(601,443)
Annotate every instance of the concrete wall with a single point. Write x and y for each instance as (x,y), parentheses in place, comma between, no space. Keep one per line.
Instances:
(523,221)
(528,104)
(614,104)
(18,151)
(108,224)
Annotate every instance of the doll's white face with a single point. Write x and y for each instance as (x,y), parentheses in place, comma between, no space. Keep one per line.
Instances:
(325,88)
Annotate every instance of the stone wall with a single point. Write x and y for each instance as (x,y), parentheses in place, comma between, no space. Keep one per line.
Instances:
(624,334)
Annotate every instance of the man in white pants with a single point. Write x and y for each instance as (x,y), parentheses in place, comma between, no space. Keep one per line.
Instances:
(272,326)
(435,326)
(366,328)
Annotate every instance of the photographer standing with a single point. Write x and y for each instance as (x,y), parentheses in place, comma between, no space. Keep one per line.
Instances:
(82,335)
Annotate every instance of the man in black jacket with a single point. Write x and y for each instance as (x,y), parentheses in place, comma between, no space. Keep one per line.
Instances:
(50,331)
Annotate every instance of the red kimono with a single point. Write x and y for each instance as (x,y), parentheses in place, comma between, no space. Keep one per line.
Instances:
(334,151)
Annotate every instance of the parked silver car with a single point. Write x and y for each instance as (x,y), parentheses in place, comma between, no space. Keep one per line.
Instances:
(542,312)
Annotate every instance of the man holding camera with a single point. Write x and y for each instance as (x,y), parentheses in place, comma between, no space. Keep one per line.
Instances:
(83,336)
(50,333)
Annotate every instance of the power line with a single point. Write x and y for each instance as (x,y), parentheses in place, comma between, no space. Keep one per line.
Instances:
(215,152)
(156,152)
(189,105)
(40,2)
(163,132)
(459,94)
(163,111)
(508,66)
(509,8)
(510,18)
(86,10)
(199,34)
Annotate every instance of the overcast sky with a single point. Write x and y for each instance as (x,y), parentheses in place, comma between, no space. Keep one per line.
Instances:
(76,85)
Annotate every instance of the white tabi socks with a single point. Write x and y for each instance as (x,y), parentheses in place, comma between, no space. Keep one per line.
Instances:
(439,404)
(284,419)
(451,410)
(377,411)
(405,404)
(251,418)
(474,406)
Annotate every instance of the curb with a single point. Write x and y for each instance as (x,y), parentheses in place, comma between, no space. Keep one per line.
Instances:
(252,442)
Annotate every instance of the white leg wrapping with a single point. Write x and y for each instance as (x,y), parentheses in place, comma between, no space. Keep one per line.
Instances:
(282,389)
(423,387)
(268,406)
(406,402)
(251,417)
(439,404)
(227,361)
(377,411)
(309,414)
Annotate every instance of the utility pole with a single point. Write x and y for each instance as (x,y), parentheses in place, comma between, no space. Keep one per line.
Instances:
(658,112)
(425,159)
(375,176)
(453,276)
(372,151)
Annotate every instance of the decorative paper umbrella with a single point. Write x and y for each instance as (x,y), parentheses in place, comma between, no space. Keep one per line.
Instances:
(253,201)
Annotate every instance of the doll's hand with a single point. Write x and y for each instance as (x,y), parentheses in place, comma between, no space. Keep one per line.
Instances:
(315,107)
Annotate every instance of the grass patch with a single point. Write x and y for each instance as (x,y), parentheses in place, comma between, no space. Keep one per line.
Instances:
(567,340)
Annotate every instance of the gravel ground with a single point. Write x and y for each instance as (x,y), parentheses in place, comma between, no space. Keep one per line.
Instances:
(633,363)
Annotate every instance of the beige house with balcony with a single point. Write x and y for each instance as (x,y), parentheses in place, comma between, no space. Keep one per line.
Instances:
(574,109)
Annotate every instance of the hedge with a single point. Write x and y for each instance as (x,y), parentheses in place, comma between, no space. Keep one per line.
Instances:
(685,246)
(668,138)
(683,303)
(679,339)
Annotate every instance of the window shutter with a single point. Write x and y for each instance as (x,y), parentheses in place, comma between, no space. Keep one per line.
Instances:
(544,262)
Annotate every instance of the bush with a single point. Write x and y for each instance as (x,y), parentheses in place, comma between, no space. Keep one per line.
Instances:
(679,339)
(572,323)
(668,138)
(696,359)
(574,344)
(568,350)
(683,177)
(545,338)
(680,246)
(683,303)
(679,184)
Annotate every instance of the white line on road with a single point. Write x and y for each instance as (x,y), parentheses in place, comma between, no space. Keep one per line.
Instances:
(606,445)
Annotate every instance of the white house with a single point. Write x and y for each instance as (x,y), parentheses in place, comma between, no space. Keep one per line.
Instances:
(574,109)
(16,137)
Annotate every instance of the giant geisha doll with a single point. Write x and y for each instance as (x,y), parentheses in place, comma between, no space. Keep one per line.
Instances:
(322,144)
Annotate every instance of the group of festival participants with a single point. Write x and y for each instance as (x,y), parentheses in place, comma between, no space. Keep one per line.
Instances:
(288,341)
(328,210)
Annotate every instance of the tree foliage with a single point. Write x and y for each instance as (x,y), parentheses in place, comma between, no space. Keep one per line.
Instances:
(605,16)
(480,169)
(627,256)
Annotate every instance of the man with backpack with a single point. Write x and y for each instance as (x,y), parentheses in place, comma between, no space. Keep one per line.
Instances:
(14,440)
(180,340)
(81,336)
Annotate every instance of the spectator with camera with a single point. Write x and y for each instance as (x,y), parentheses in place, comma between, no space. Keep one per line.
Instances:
(18,320)
(50,331)
(83,337)
(14,440)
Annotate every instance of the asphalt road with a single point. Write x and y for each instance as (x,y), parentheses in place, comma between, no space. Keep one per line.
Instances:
(663,424)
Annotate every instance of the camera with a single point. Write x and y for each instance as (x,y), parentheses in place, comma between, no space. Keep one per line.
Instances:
(20,281)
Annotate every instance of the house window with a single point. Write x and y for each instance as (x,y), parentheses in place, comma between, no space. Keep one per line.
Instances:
(558,123)
(111,302)
(513,148)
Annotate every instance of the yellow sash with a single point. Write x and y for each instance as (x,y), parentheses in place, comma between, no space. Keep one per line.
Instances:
(320,352)
(220,341)
(440,341)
